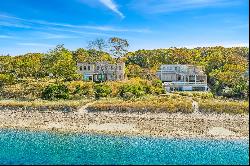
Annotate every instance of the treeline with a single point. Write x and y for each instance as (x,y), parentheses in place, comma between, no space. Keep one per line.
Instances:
(226,68)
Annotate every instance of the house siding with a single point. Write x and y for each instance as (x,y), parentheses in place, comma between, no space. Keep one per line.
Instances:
(102,70)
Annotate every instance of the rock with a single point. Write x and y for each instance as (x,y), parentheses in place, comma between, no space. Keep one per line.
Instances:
(220,131)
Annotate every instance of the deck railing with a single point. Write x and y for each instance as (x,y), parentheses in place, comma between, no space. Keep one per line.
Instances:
(201,73)
(185,83)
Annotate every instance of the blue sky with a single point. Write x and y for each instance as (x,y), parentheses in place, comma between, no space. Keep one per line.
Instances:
(39,25)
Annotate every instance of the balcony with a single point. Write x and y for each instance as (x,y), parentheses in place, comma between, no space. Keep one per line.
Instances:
(185,84)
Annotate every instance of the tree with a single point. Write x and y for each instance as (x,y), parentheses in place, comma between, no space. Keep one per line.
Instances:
(119,47)
(60,63)
(28,65)
(81,55)
(6,64)
(97,48)
(98,44)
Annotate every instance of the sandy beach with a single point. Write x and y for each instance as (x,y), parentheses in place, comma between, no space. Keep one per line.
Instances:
(195,125)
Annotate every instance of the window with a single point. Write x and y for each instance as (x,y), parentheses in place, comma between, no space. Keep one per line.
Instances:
(111,67)
(98,67)
(120,76)
(120,68)
(84,68)
(88,67)
(80,68)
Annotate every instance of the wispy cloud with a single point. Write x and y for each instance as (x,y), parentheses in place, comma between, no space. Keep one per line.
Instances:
(35,44)
(91,27)
(13,24)
(6,37)
(112,6)
(45,35)
(12,21)
(78,32)
(168,6)
(240,26)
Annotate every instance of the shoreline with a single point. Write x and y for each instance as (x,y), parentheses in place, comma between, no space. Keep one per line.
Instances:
(125,135)
(164,125)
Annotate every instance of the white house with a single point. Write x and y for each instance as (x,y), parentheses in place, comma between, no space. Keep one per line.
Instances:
(183,77)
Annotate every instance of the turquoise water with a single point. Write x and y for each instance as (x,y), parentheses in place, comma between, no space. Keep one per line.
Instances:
(21,147)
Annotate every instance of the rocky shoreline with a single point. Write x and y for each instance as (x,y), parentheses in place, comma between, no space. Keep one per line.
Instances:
(175,125)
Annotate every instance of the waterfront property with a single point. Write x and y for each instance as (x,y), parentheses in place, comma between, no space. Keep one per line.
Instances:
(183,77)
(101,71)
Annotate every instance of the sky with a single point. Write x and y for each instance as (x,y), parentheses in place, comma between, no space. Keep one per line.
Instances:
(39,25)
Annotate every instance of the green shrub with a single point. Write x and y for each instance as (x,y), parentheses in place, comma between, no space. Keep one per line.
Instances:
(28,89)
(196,94)
(79,89)
(136,90)
(102,90)
(128,96)
(55,91)
(6,79)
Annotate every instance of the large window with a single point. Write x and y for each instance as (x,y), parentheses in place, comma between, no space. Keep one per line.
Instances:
(84,68)
(88,67)
(80,68)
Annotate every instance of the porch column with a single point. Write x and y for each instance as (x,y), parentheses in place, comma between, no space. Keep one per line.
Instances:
(161,74)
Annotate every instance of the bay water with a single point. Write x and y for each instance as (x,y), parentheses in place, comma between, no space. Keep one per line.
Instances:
(26,147)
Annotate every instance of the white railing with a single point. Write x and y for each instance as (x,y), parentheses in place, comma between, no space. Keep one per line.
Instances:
(185,83)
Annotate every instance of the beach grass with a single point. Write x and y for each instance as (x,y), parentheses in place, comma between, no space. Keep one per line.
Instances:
(44,103)
(224,106)
(149,104)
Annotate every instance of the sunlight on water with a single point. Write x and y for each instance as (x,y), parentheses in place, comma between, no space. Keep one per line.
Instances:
(49,148)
